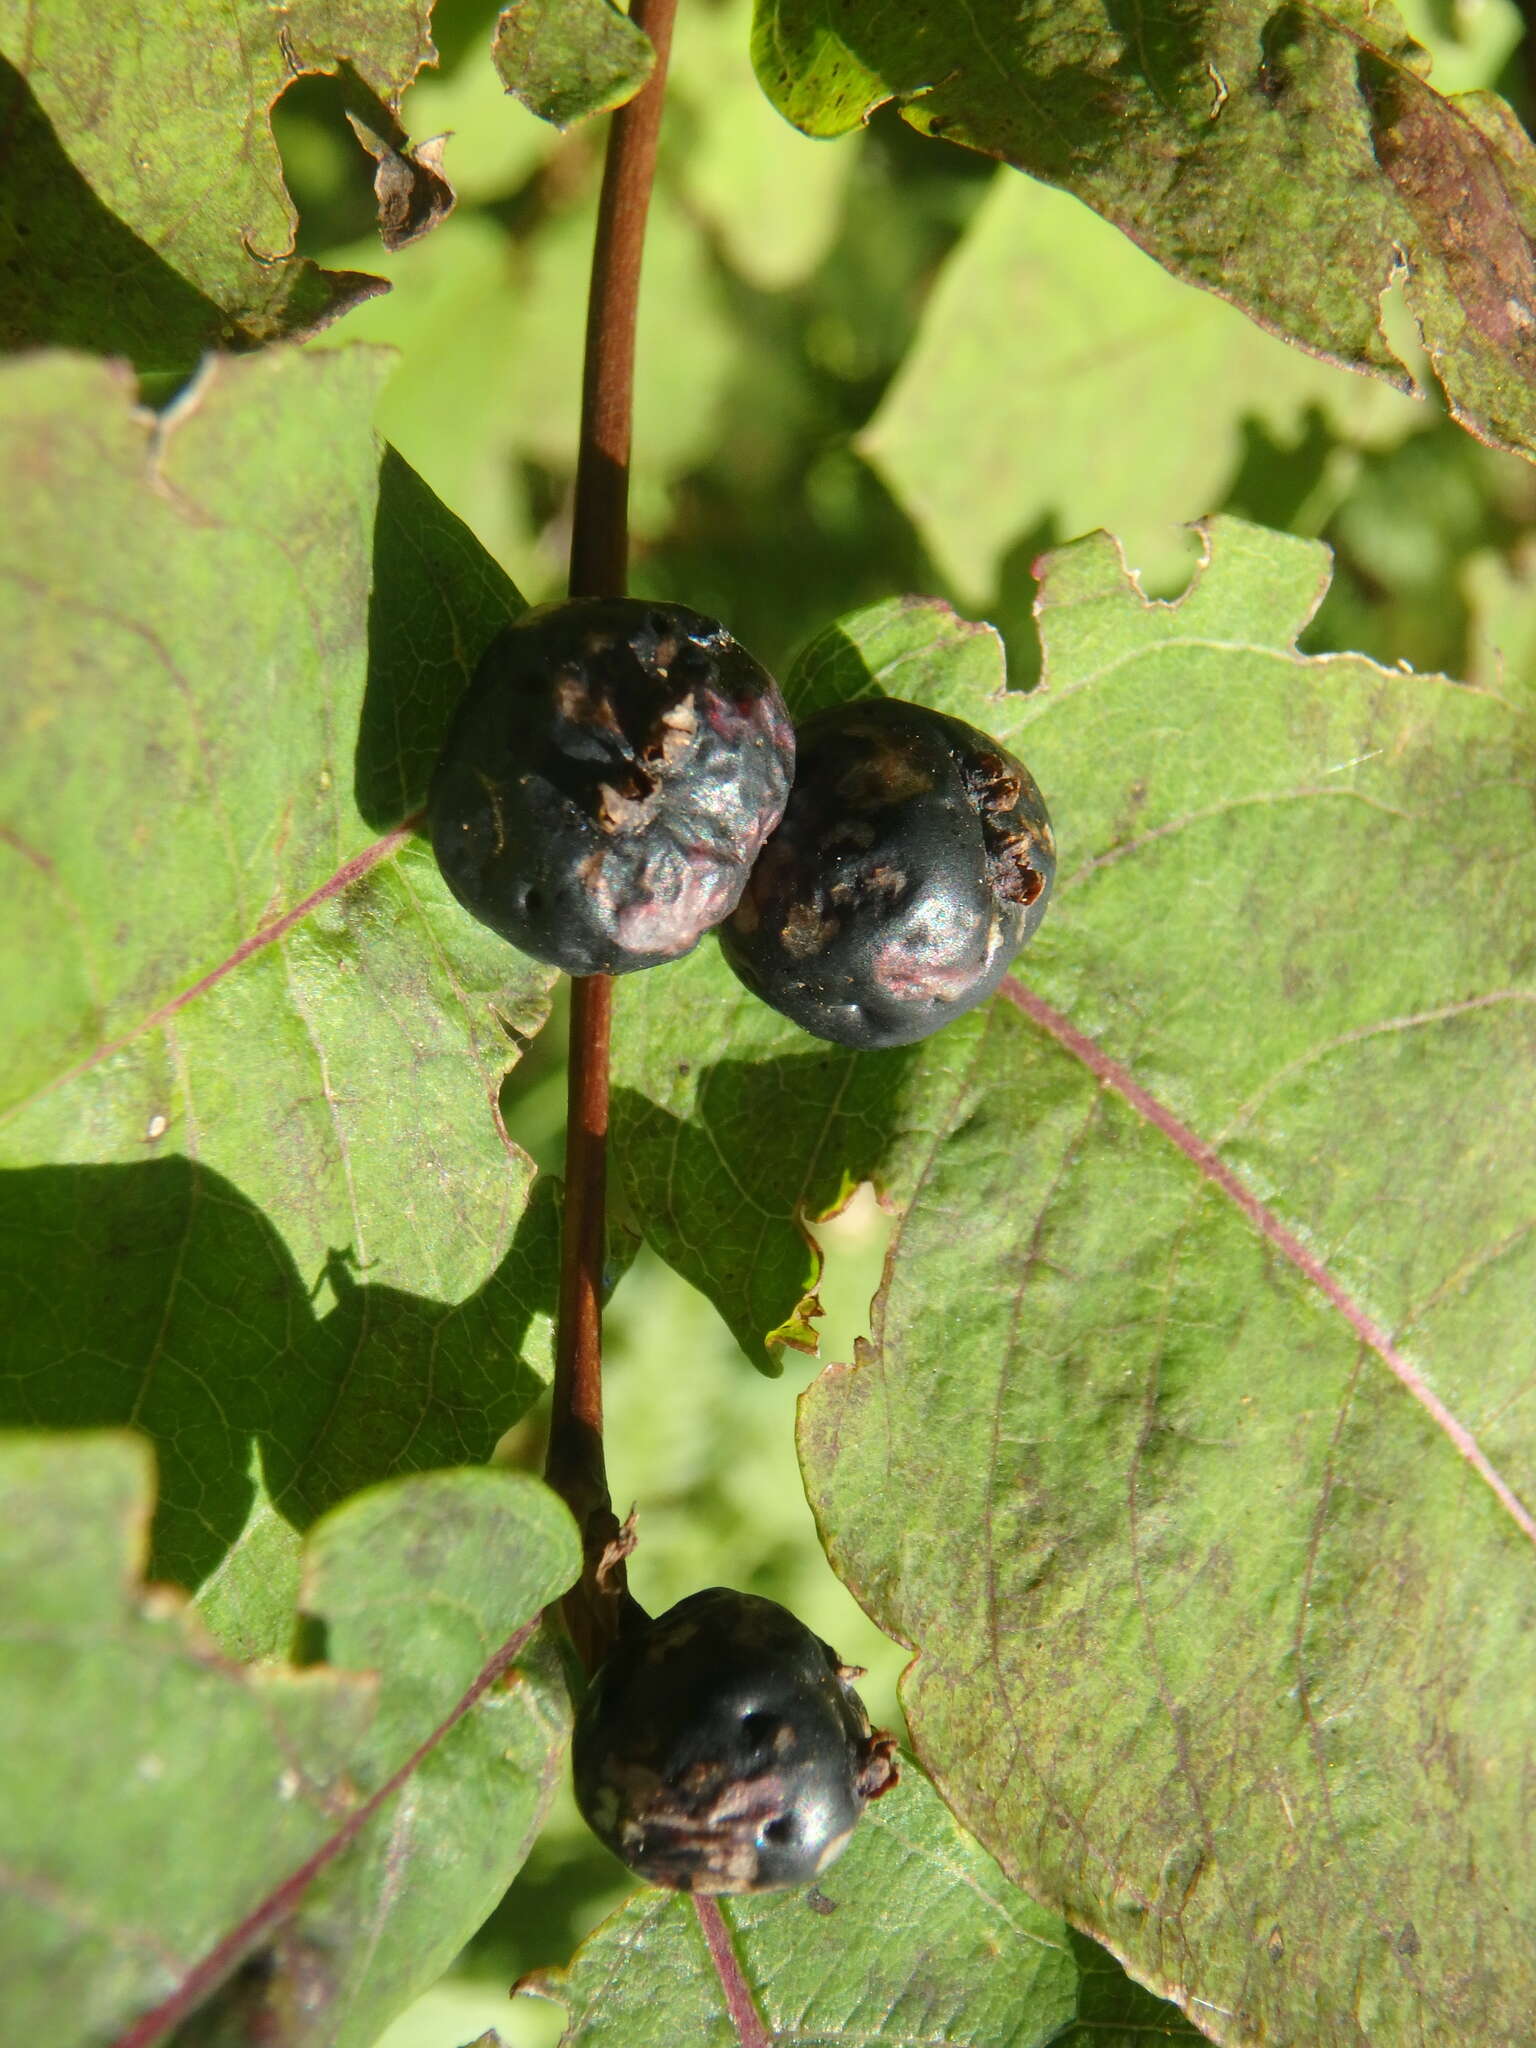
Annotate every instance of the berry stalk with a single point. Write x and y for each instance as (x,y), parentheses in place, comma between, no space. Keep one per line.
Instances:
(595,1607)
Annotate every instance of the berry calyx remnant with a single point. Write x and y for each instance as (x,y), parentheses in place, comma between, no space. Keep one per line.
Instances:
(608,780)
(722,1748)
(913,860)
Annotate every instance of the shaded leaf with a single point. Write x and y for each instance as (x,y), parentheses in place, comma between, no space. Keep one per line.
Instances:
(154,1294)
(422,1581)
(166,119)
(71,271)
(1223,139)
(1050,333)
(566,59)
(210,953)
(1190,1449)
(913,1936)
(265,1800)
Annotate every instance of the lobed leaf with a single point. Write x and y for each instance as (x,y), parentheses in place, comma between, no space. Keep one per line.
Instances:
(1205,1319)
(685,1127)
(149,211)
(155,1295)
(321,1839)
(1223,139)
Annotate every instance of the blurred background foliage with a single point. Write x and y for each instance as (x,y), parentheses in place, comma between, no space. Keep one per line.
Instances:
(865,366)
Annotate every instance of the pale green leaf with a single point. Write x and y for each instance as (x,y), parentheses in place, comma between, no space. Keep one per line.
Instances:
(1502,596)
(235,638)
(1190,1448)
(1287,159)
(149,214)
(1062,380)
(774,197)
(167,1817)
(522,398)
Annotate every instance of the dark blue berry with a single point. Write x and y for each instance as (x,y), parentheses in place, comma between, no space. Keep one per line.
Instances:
(913,860)
(722,1748)
(608,780)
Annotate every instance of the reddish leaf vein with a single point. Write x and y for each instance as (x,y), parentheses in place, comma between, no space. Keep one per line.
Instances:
(265,935)
(204,1978)
(739,2002)
(1268,1224)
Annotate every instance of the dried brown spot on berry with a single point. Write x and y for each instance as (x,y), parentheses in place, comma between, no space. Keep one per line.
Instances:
(992,784)
(626,809)
(806,931)
(888,775)
(1013,871)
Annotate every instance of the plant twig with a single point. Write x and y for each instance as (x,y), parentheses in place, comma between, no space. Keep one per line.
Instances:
(596,1607)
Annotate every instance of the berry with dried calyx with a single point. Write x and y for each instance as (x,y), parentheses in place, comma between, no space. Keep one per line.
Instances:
(608,779)
(913,860)
(722,1748)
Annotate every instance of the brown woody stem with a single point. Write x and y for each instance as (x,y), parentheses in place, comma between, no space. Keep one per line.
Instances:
(596,1607)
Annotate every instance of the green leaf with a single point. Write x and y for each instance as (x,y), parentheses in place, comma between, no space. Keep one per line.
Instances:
(1051,333)
(289,1817)
(914,1936)
(155,1294)
(1286,159)
(1195,1381)
(235,638)
(143,154)
(566,59)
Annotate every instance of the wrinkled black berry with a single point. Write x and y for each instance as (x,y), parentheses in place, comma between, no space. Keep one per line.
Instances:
(608,780)
(721,1748)
(913,860)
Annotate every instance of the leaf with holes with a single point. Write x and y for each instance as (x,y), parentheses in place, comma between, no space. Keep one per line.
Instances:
(1206,1318)
(914,1936)
(149,214)
(1226,140)
(321,1838)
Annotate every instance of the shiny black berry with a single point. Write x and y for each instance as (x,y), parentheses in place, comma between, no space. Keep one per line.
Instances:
(608,780)
(913,860)
(721,1748)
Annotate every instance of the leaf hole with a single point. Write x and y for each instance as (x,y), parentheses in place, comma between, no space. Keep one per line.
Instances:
(329,177)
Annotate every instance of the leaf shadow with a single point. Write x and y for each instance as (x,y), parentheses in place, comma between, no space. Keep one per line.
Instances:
(436,601)
(725,1194)
(156,1296)
(72,275)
